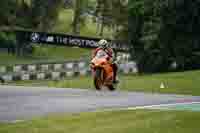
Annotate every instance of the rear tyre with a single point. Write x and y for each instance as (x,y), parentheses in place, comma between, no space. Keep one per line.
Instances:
(111,88)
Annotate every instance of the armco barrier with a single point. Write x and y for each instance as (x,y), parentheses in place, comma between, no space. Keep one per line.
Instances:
(54,71)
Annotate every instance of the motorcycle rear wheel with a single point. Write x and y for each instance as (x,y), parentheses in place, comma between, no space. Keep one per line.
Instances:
(111,88)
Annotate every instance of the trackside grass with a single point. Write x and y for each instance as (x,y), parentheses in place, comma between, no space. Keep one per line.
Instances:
(175,83)
(46,54)
(140,121)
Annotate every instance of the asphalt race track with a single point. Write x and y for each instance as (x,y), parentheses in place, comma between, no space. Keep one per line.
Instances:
(22,103)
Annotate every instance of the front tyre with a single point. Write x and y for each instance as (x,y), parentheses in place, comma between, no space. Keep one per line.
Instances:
(98,80)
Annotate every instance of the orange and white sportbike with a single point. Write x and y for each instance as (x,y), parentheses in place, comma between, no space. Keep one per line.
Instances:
(102,71)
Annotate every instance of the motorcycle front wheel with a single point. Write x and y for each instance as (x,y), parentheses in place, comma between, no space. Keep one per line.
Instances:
(98,79)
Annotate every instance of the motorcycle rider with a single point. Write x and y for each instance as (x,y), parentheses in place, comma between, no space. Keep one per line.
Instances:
(104,45)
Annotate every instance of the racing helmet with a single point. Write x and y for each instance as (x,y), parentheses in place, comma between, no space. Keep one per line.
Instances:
(103,43)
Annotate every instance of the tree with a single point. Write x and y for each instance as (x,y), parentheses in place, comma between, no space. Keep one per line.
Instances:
(145,23)
(164,31)
(44,13)
(120,19)
(179,31)
(7,12)
(104,15)
(80,7)
(28,14)
(114,15)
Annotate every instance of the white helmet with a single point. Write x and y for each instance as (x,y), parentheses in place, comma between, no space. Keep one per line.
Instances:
(103,43)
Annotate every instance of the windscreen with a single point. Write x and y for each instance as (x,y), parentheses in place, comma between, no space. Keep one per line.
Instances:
(101,54)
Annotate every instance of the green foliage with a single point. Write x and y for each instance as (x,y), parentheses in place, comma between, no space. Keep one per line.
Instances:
(120,19)
(7,12)
(163,32)
(28,14)
(44,13)
(38,14)
(80,7)
(114,15)
(8,41)
(50,15)
(180,24)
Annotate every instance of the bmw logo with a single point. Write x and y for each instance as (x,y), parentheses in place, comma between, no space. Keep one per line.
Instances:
(35,37)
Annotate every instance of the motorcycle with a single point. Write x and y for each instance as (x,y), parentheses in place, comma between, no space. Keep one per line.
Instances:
(102,71)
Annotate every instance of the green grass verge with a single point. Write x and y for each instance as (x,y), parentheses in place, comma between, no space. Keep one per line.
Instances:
(140,121)
(175,83)
(61,53)
(46,54)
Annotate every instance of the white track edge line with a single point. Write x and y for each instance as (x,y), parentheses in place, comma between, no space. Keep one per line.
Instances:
(160,105)
(144,107)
